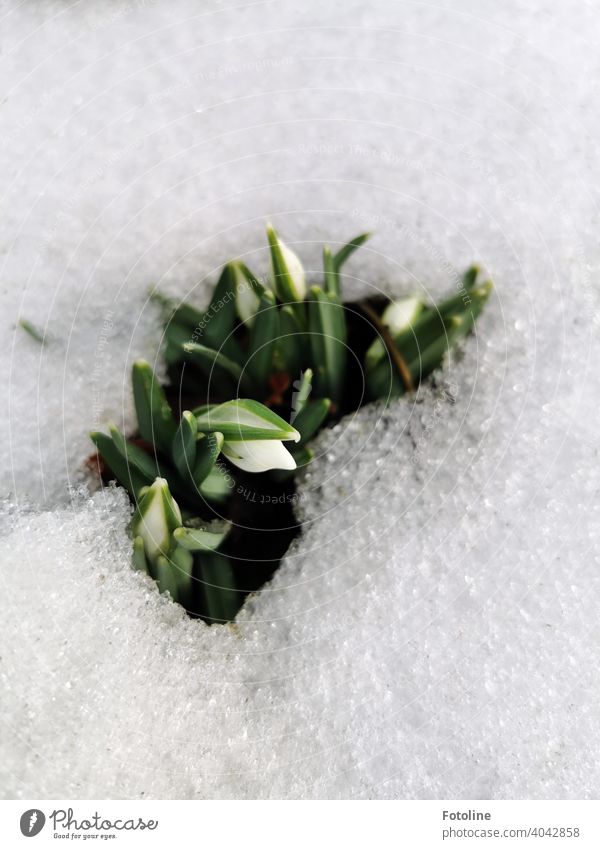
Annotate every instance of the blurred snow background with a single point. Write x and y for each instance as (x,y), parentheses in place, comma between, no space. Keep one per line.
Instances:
(435,631)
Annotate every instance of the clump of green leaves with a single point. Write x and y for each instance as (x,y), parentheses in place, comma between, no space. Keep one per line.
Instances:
(423,335)
(175,480)
(254,331)
(290,351)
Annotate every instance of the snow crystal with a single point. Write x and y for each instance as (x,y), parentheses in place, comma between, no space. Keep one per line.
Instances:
(434,632)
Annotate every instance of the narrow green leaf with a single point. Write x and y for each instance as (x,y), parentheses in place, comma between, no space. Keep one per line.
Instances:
(187,317)
(264,335)
(216,486)
(327,329)
(127,474)
(433,339)
(154,415)
(165,575)
(332,280)
(310,418)
(135,456)
(219,318)
(252,280)
(427,328)
(215,364)
(291,342)
(432,357)
(208,448)
(139,561)
(199,540)
(32,330)
(302,389)
(177,334)
(180,314)
(346,252)
(221,599)
(469,278)
(183,451)
(244,419)
(182,562)
(472,299)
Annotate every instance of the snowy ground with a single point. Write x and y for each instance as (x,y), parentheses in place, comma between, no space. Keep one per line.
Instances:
(435,632)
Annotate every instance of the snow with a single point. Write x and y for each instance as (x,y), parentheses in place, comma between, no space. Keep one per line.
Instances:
(434,633)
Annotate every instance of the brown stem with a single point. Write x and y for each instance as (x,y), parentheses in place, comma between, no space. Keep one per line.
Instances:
(388,341)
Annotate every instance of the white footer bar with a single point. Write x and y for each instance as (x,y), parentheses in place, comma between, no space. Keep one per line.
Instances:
(286,825)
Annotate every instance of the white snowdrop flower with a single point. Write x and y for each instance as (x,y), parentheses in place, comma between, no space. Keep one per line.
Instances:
(289,280)
(253,434)
(398,316)
(156,518)
(401,314)
(246,299)
(258,455)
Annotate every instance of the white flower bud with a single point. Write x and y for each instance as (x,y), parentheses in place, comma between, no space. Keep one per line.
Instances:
(397,316)
(246,299)
(258,455)
(289,281)
(155,519)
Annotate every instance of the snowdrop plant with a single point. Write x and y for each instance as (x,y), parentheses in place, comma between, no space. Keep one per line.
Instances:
(262,368)
(423,335)
(173,545)
(162,546)
(252,435)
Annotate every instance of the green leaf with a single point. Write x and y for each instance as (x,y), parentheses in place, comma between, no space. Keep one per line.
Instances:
(208,448)
(432,357)
(310,419)
(216,486)
(177,334)
(154,415)
(291,342)
(302,389)
(244,419)
(220,597)
(182,562)
(288,281)
(186,317)
(427,328)
(199,540)
(127,474)
(264,335)
(181,314)
(162,572)
(253,281)
(174,574)
(469,278)
(472,299)
(32,330)
(183,451)
(212,328)
(219,318)
(135,456)
(332,280)
(215,364)
(327,329)
(139,561)
(346,252)
(432,336)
